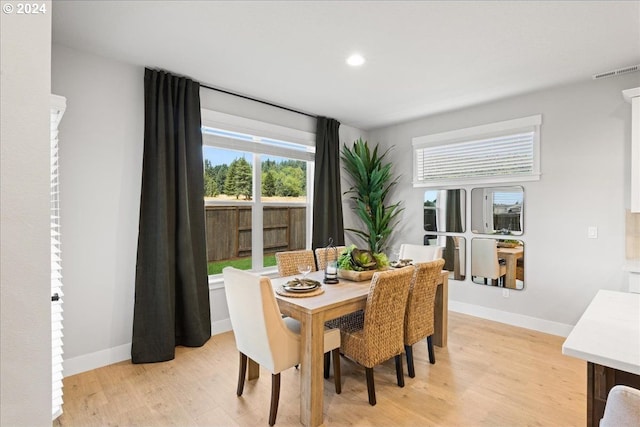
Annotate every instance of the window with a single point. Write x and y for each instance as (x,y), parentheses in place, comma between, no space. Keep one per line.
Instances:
(258,182)
(499,152)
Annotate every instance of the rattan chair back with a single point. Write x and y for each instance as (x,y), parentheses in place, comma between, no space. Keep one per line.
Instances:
(379,335)
(324,255)
(289,261)
(419,316)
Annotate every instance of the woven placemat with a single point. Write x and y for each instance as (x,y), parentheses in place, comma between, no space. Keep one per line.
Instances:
(281,291)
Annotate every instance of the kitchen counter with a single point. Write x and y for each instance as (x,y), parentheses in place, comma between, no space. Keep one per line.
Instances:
(607,336)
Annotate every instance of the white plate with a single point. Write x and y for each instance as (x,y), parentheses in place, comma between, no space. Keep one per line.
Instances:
(299,286)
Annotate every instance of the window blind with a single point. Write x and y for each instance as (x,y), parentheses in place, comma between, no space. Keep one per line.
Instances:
(504,151)
(58,105)
(508,155)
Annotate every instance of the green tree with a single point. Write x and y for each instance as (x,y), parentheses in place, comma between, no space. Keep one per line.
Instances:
(239,179)
(220,174)
(230,179)
(210,185)
(268,184)
(290,182)
(268,165)
(243,179)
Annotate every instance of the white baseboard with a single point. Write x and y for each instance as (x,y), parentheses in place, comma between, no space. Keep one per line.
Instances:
(220,326)
(514,319)
(101,358)
(117,354)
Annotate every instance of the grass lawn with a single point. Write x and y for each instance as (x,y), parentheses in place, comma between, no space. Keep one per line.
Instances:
(215,267)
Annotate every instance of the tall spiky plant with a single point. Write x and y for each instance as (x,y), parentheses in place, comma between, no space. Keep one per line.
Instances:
(371,181)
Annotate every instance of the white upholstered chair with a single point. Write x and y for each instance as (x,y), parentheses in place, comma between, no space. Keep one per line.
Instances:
(420,253)
(262,334)
(622,408)
(484,260)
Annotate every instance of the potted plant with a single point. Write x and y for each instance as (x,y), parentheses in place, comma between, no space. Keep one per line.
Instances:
(371,181)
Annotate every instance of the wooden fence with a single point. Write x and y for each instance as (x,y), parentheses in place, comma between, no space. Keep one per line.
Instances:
(229,230)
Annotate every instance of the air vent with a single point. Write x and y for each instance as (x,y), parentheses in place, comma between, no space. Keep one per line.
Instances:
(619,71)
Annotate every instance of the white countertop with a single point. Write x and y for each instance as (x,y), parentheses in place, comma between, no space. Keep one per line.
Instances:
(608,333)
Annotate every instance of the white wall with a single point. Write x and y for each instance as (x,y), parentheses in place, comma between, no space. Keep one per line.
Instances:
(25,268)
(101,144)
(585,175)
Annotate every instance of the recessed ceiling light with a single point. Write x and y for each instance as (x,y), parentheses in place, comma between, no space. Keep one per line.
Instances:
(355,60)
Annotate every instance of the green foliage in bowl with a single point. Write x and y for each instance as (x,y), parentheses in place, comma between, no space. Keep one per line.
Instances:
(356,259)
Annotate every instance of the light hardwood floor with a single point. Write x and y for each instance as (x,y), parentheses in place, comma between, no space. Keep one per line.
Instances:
(490,374)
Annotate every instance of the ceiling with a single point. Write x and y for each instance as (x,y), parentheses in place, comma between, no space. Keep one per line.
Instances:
(423,57)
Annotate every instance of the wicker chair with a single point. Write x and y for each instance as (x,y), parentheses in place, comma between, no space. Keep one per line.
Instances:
(375,335)
(289,261)
(419,317)
(262,334)
(323,255)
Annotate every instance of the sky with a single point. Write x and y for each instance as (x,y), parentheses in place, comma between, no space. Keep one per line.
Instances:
(219,156)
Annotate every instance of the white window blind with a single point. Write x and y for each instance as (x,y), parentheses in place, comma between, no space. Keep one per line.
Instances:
(499,152)
(58,105)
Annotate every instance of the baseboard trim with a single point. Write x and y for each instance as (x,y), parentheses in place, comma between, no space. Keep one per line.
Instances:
(98,359)
(117,354)
(514,319)
(220,326)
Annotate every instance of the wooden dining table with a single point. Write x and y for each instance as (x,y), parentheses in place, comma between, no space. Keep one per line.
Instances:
(511,256)
(312,312)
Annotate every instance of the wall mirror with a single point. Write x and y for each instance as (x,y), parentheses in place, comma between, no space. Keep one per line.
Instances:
(497,262)
(445,210)
(454,253)
(497,210)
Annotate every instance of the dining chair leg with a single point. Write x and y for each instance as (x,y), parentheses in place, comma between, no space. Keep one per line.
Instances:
(408,349)
(371,388)
(275,397)
(327,365)
(432,354)
(399,370)
(336,369)
(242,373)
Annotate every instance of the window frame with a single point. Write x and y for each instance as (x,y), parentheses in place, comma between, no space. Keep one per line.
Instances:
(264,130)
(476,133)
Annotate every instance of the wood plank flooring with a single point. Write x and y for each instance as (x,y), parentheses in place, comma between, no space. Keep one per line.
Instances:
(491,374)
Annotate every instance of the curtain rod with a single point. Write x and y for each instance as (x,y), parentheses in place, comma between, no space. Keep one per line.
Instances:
(258,100)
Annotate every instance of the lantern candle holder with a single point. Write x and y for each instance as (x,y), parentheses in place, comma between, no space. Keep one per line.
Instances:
(331,267)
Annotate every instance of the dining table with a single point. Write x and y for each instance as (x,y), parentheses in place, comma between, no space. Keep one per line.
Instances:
(511,256)
(312,312)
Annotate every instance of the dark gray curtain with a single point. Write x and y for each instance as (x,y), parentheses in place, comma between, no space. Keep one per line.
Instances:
(453,223)
(172,292)
(327,195)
